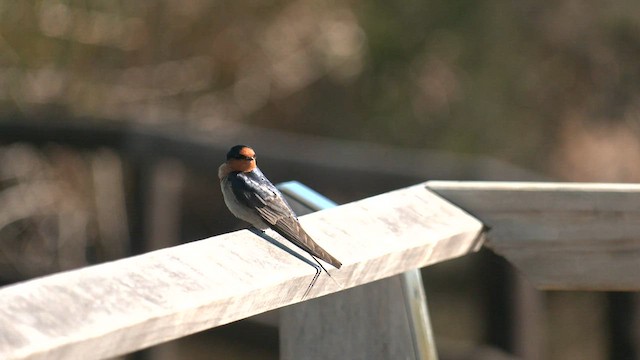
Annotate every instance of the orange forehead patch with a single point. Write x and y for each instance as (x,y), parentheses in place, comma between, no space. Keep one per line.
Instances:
(247,152)
(241,164)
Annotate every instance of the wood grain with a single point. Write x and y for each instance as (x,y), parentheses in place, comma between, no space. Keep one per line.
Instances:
(118,307)
(386,319)
(365,322)
(568,236)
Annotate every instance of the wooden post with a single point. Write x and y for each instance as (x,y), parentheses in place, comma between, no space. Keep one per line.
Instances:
(365,322)
(387,319)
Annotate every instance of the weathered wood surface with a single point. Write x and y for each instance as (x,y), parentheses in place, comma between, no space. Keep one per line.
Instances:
(568,236)
(122,306)
(386,319)
(367,322)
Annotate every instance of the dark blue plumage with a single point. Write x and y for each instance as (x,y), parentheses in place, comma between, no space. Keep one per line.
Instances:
(250,196)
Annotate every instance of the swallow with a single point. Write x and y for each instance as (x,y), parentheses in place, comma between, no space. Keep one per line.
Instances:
(251,197)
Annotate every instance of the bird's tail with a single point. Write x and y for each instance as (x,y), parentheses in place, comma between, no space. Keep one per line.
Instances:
(292,231)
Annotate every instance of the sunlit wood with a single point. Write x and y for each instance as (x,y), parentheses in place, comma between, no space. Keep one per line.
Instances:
(126,305)
(569,236)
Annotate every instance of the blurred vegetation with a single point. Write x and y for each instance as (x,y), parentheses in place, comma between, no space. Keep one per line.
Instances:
(553,86)
(507,79)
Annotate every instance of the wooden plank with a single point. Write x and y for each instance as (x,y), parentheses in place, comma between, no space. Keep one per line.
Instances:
(577,236)
(386,319)
(370,322)
(129,304)
(365,322)
(415,303)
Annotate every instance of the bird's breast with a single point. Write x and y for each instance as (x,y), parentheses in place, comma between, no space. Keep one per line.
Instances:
(238,209)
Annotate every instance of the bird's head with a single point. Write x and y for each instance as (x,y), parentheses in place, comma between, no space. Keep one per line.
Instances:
(241,158)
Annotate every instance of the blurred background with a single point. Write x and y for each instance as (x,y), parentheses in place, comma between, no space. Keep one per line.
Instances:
(114,116)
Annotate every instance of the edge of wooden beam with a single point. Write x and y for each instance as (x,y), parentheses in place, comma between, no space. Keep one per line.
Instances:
(562,236)
(126,305)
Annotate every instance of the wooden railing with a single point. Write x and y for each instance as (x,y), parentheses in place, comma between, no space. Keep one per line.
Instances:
(562,236)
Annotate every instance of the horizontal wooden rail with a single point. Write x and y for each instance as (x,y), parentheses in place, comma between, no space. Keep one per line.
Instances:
(568,236)
(126,305)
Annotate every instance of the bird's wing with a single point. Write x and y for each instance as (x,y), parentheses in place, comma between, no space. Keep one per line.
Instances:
(257,192)
(291,230)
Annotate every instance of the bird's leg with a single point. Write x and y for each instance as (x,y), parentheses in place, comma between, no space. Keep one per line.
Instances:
(313,282)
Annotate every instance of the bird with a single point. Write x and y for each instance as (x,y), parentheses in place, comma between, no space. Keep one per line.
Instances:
(251,197)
